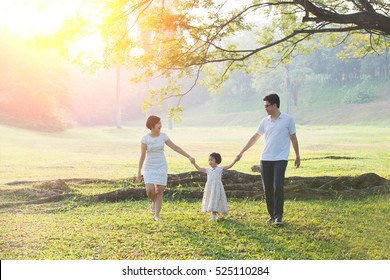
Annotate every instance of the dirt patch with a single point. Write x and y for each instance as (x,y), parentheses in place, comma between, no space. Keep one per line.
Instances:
(191,184)
(242,185)
(39,193)
(57,186)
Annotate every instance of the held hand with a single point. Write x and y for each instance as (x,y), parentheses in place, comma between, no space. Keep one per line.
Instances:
(238,157)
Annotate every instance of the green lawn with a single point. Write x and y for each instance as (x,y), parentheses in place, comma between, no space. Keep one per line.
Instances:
(110,153)
(313,230)
(72,229)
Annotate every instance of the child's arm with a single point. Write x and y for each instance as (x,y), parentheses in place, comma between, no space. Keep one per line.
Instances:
(230,165)
(200,169)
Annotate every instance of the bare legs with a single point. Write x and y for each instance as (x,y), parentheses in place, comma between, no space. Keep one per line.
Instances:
(155,194)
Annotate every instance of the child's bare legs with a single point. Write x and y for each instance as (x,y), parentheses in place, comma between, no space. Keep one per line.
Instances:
(155,194)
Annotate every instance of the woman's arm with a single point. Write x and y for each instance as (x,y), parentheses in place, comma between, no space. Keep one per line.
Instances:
(179,150)
(141,162)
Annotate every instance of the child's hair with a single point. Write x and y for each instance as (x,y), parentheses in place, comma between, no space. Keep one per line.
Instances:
(217,157)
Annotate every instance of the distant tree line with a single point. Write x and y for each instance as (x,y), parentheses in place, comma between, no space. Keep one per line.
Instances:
(325,62)
(33,91)
(322,65)
(354,77)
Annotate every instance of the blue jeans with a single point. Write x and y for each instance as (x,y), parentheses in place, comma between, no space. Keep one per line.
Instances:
(272,176)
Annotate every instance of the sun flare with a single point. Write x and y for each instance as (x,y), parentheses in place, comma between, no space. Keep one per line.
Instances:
(33,18)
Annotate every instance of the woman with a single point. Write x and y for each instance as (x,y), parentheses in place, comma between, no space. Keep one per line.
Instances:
(154,164)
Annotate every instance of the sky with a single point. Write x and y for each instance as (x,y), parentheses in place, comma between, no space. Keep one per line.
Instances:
(29,18)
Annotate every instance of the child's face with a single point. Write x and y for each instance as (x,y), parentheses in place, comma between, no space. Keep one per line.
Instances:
(212,162)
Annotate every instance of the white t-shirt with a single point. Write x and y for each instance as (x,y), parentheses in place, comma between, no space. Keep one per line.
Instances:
(276,137)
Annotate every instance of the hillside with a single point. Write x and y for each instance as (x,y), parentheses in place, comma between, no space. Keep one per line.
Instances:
(312,112)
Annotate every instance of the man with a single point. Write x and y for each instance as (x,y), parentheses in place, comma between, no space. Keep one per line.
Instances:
(278,129)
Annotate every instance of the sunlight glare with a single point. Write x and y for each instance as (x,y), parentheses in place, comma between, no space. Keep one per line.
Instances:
(30,18)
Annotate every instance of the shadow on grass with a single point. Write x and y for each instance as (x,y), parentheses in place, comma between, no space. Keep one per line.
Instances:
(238,241)
(230,239)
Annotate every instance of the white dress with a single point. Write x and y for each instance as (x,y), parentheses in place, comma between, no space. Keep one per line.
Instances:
(155,165)
(214,197)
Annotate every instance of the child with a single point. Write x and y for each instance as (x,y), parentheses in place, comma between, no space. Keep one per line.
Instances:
(214,197)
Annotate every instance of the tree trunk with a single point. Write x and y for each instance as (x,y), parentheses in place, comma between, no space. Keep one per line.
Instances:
(118,103)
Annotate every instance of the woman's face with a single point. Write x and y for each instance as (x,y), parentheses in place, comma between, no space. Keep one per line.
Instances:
(157,127)
(212,162)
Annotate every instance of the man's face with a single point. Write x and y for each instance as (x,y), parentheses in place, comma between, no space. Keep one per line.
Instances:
(269,108)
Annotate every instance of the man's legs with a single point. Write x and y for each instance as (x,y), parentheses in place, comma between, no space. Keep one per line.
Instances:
(272,175)
(279,171)
(267,177)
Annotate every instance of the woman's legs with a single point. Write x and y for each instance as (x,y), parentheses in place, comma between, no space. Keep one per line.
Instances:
(155,194)
(159,191)
(151,193)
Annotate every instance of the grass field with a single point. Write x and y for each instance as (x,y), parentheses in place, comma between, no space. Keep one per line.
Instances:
(313,230)
(72,229)
(103,152)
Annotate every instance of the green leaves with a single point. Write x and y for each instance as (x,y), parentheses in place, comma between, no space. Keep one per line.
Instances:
(179,36)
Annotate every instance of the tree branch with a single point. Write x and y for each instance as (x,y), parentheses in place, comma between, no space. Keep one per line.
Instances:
(368,19)
(327,30)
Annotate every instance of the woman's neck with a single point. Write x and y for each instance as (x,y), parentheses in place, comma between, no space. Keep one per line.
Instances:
(154,133)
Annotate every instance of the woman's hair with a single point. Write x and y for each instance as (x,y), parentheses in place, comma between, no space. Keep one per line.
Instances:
(152,121)
(217,157)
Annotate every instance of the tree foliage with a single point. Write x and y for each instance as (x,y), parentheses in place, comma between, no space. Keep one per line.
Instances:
(185,38)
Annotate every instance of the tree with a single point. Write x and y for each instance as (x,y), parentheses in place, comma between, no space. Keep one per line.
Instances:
(178,38)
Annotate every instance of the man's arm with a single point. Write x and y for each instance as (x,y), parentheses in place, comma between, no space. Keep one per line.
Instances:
(294,141)
(250,143)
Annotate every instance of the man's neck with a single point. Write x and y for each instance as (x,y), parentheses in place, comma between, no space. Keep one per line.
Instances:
(276,115)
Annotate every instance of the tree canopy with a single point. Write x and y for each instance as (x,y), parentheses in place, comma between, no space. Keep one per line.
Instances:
(178,38)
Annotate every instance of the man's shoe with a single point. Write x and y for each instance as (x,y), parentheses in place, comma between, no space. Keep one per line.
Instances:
(271,220)
(278,221)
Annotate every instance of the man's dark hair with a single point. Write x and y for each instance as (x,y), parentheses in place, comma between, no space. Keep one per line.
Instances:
(217,157)
(272,98)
